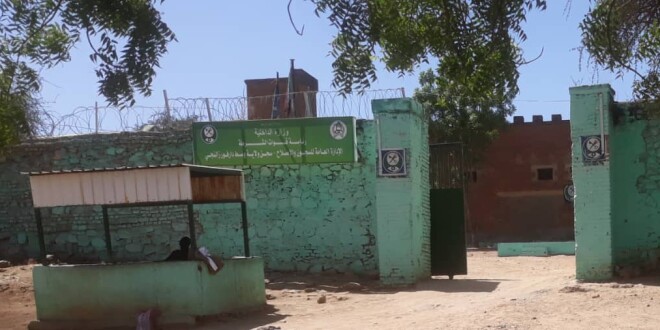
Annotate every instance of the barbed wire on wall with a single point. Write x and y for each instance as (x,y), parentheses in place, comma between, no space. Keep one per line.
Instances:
(103,119)
(93,119)
(210,109)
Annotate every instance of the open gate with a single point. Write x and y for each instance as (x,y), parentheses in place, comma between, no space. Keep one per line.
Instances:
(447,197)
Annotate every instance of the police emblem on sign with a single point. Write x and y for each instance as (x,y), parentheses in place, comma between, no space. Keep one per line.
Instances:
(592,150)
(393,162)
(569,193)
(338,130)
(209,134)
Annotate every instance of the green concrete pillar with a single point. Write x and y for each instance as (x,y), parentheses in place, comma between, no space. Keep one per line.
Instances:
(592,180)
(402,191)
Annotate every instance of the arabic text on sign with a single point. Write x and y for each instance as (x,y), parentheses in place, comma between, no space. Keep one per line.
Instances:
(271,132)
(270,142)
(256,154)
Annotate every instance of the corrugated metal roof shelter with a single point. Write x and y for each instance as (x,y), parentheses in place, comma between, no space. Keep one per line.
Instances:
(173,184)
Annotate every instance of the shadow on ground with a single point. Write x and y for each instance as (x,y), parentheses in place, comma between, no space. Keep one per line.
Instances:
(456,285)
(646,279)
(361,285)
(242,321)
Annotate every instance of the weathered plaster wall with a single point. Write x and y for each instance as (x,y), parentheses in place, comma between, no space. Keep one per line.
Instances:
(302,217)
(593,184)
(617,202)
(109,296)
(536,249)
(403,225)
(636,199)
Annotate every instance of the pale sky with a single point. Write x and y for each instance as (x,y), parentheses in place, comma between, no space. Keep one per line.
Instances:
(222,43)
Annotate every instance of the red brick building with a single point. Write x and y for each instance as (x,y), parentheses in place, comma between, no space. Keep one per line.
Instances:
(260,96)
(517,194)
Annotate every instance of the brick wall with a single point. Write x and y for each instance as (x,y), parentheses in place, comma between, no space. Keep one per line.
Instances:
(506,201)
(260,95)
(423,189)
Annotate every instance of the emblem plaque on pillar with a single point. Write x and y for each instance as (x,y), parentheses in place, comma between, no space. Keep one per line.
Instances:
(569,193)
(393,162)
(593,150)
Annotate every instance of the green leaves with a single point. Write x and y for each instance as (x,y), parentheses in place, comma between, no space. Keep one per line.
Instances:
(352,48)
(470,93)
(624,36)
(459,111)
(127,38)
(19,111)
(467,37)
(137,25)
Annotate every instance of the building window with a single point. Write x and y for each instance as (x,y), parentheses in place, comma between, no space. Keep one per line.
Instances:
(544,174)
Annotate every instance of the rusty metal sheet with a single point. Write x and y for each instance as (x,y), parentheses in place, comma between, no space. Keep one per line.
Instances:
(217,189)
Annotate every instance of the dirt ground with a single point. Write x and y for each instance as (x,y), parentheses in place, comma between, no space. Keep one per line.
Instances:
(16,297)
(499,293)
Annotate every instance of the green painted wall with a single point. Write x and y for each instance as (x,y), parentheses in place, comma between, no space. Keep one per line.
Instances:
(115,294)
(302,217)
(618,202)
(305,217)
(537,249)
(311,217)
(75,234)
(593,185)
(403,226)
(636,199)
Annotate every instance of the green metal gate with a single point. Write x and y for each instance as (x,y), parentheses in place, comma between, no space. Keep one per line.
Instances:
(447,180)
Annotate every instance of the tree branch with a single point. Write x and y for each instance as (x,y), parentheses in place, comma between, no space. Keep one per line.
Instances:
(288,8)
(536,58)
(43,25)
(616,58)
(96,52)
(18,51)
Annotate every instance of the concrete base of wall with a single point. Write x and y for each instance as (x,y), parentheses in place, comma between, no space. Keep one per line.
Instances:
(535,249)
(101,296)
(163,323)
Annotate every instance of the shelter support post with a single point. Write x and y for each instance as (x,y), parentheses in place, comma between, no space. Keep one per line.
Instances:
(246,240)
(40,232)
(191,226)
(106,230)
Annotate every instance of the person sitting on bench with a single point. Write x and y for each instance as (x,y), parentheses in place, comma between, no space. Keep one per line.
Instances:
(183,253)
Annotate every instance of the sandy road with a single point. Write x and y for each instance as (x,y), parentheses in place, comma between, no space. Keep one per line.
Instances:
(499,293)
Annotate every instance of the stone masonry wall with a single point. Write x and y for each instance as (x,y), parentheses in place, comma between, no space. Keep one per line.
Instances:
(76,233)
(304,217)
(137,234)
(301,217)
